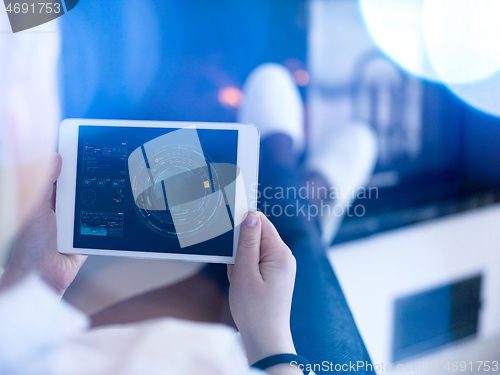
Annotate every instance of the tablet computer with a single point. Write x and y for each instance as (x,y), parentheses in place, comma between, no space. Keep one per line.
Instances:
(161,190)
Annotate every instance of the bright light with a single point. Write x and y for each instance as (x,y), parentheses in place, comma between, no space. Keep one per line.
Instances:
(452,41)
(456,42)
(301,77)
(396,27)
(463,47)
(483,95)
(231,97)
(462,38)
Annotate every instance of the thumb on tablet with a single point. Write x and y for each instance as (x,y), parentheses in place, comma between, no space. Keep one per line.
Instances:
(246,265)
(260,293)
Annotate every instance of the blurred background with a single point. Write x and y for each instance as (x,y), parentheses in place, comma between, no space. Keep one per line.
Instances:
(421,268)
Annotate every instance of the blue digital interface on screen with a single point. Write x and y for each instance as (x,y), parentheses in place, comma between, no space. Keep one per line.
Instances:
(110,213)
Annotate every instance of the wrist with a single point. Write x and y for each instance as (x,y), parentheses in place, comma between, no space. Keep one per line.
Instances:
(14,273)
(261,346)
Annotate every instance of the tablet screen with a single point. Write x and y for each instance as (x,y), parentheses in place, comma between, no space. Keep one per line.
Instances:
(155,190)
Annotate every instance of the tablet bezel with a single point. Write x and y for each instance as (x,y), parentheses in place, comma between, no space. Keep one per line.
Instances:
(247,160)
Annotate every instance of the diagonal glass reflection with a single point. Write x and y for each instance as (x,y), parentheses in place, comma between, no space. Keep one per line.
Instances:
(179,192)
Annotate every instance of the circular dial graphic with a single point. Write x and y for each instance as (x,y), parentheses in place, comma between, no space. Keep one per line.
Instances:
(177,191)
(89,197)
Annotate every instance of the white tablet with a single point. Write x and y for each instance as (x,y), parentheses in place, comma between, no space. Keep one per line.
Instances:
(150,189)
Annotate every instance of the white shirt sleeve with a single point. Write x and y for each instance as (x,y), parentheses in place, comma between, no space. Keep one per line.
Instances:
(41,335)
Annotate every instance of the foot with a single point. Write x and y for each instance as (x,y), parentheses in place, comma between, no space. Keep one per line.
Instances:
(346,164)
(273,103)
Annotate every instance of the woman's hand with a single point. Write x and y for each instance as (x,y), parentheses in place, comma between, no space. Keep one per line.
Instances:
(35,248)
(260,295)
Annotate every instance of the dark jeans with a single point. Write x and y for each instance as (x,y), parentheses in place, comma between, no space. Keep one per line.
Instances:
(322,326)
